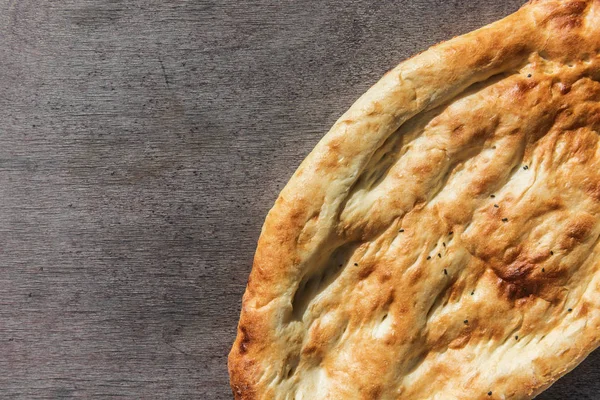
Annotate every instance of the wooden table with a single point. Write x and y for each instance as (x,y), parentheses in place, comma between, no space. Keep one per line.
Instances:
(141,145)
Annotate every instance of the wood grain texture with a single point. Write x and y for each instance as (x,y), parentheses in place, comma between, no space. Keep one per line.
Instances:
(141,146)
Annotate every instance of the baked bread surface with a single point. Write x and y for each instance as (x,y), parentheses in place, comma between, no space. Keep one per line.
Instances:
(442,240)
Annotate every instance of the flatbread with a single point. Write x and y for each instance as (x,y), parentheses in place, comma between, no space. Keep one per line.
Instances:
(442,240)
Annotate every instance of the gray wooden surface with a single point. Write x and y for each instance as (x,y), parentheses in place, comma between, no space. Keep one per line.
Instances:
(141,145)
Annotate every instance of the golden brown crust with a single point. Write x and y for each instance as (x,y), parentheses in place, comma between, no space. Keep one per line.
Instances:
(442,240)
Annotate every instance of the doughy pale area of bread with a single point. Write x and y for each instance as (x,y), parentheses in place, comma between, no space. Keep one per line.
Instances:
(442,240)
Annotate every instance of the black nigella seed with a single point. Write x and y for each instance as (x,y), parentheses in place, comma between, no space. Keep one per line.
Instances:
(492,195)
(444,243)
(529,75)
(496,205)
(445,271)
(466,321)
(472,293)
(570,309)
(504,219)
(451,232)
(551,253)
(490,393)
(525,167)
(543,269)
(356,264)
(516,337)
(439,255)
(401,230)
(429,257)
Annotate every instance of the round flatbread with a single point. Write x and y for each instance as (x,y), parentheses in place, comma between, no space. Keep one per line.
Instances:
(442,240)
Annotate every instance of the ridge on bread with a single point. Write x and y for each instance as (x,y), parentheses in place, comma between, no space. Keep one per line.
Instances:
(442,239)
